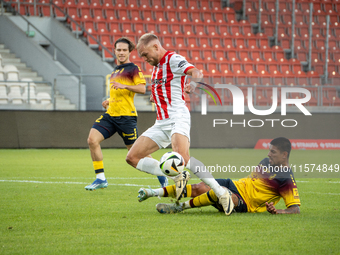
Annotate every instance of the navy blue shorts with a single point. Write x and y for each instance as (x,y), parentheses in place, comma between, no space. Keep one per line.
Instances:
(126,126)
(228,183)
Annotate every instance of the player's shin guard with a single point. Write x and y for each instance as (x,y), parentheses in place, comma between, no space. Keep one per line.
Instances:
(150,166)
(99,169)
(170,191)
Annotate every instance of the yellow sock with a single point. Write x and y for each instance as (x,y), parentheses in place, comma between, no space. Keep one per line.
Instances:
(99,169)
(208,198)
(170,191)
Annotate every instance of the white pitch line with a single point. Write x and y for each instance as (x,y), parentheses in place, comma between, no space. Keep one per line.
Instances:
(320,193)
(113,184)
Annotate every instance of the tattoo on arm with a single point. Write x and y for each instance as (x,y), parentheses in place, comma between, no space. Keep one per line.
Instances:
(294,209)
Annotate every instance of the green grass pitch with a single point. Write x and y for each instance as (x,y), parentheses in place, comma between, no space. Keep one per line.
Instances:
(45,209)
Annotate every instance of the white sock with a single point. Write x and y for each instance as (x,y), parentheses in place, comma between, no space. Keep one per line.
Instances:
(199,169)
(101,176)
(186,205)
(158,192)
(150,166)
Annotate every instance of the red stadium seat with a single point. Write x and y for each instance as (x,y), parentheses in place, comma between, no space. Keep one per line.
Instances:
(224,31)
(159,15)
(188,30)
(232,56)
(151,28)
(164,28)
(216,43)
(180,42)
(175,29)
(200,30)
(220,56)
(110,15)
(196,55)
(208,55)
(204,43)
(172,16)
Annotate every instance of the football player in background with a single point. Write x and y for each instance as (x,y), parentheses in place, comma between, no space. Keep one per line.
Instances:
(121,115)
(169,82)
(260,191)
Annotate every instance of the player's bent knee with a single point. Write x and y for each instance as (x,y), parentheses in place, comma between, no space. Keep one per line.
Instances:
(131,160)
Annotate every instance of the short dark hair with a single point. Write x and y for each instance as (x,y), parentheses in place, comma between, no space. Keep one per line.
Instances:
(127,41)
(283,144)
(146,39)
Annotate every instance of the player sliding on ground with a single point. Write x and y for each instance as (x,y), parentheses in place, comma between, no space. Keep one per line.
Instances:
(258,192)
(169,81)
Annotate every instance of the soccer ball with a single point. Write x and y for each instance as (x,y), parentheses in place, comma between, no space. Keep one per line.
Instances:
(172,163)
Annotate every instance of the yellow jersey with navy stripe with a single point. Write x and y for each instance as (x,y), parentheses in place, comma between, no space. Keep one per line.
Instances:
(268,184)
(121,102)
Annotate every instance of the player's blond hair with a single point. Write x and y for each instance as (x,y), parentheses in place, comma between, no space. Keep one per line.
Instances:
(146,39)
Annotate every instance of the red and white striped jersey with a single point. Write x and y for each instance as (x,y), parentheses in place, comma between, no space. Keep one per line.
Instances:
(168,79)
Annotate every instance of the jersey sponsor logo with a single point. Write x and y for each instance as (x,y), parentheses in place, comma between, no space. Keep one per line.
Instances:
(182,63)
(159,81)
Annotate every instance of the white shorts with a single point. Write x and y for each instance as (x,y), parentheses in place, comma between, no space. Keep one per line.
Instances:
(162,131)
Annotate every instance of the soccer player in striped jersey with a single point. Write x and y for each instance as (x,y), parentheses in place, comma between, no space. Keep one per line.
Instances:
(260,191)
(121,115)
(169,82)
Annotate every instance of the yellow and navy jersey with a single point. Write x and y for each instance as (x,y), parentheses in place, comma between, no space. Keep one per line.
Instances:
(122,100)
(268,184)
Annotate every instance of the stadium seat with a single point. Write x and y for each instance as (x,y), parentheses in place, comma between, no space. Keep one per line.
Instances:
(218,17)
(147,16)
(180,42)
(172,16)
(110,15)
(157,4)
(208,56)
(11,72)
(207,17)
(196,55)
(44,98)
(188,30)
(212,30)
(184,16)
(192,43)
(227,43)
(135,15)
(32,91)
(200,66)
(232,56)
(204,5)
(3,94)
(120,4)
(240,43)
(159,16)
(223,30)
(176,29)
(167,41)
(151,28)
(184,53)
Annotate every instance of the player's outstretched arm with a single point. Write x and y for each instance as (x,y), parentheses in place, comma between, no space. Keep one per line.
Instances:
(140,88)
(196,76)
(294,209)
